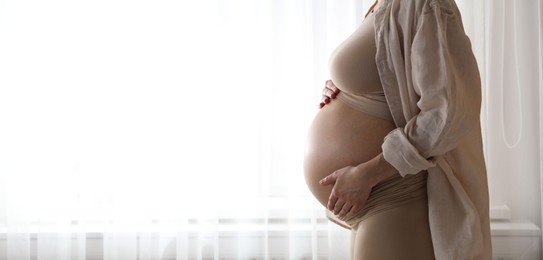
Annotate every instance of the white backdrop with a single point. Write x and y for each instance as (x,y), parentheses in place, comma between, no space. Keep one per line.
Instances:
(163,129)
(507,41)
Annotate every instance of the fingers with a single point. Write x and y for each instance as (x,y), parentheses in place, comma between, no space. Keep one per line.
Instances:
(325,100)
(339,206)
(328,180)
(332,202)
(353,210)
(345,209)
(329,92)
(342,208)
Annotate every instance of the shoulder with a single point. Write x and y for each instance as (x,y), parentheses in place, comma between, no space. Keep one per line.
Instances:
(445,6)
(421,7)
(412,14)
(408,16)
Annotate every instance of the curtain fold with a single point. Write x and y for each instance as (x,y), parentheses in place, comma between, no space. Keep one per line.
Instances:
(511,76)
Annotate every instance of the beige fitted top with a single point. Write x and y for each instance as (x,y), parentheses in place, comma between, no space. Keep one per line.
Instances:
(354,71)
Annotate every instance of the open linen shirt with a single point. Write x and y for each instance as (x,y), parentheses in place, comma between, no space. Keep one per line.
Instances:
(433,88)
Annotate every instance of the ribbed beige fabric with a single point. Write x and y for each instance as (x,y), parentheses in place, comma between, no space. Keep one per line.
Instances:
(387,195)
(394,222)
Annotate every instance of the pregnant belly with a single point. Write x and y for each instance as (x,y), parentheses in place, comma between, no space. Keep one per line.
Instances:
(340,136)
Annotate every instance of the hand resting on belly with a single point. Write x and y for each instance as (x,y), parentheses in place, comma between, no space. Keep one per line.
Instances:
(342,138)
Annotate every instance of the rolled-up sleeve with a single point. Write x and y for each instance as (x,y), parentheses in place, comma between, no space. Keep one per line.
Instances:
(445,77)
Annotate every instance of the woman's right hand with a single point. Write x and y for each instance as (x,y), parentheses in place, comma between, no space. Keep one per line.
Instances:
(329,92)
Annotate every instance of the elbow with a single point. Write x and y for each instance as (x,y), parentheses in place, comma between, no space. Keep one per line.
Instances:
(469,113)
(457,126)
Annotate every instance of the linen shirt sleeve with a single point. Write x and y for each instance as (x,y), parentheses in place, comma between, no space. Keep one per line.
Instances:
(445,76)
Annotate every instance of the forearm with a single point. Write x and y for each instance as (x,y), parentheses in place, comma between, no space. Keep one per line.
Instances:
(381,170)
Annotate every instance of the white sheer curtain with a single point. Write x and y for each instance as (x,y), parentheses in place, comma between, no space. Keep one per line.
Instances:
(507,39)
(163,129)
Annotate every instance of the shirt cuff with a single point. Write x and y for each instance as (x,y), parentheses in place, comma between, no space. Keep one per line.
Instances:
(400,153)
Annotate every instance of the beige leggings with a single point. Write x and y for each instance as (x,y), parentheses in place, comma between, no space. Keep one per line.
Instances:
(393,224)
(398,233)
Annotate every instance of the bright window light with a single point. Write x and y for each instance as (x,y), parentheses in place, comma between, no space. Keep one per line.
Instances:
(149,108)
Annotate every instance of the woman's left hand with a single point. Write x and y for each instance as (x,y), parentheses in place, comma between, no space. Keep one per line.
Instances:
(352,187)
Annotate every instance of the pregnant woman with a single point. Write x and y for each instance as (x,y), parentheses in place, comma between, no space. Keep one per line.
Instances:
(395,153)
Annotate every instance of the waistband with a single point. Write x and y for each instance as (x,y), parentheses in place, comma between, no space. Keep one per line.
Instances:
(373,103)
(387,195)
